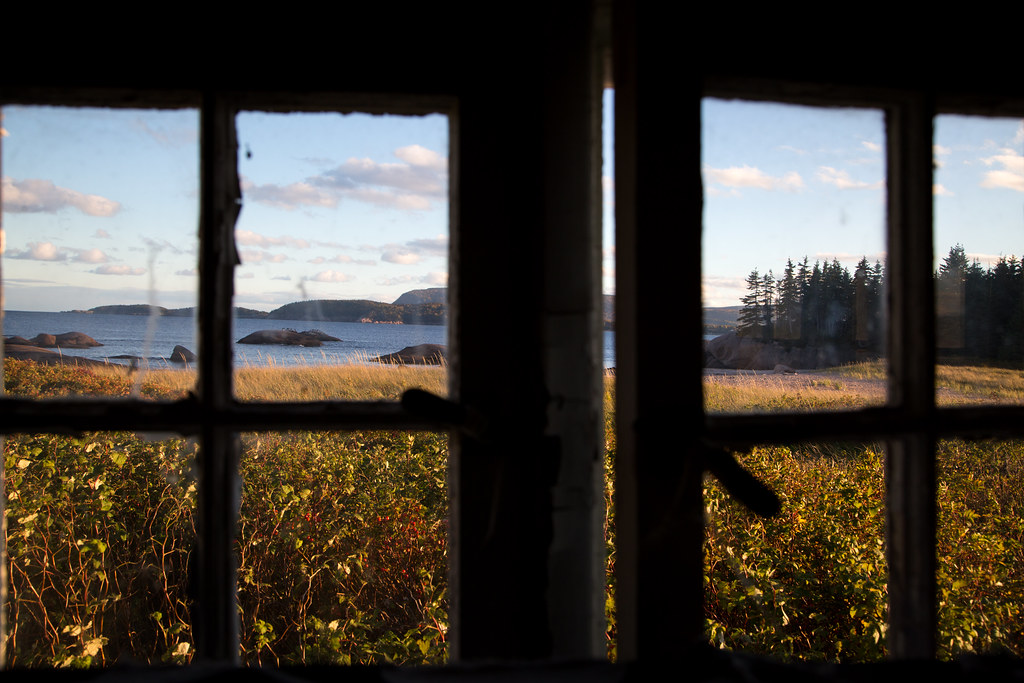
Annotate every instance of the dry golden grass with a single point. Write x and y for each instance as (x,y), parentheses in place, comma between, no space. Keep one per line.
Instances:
(802,392)
(348,382)
(981,385)
(853,386)
(352,382)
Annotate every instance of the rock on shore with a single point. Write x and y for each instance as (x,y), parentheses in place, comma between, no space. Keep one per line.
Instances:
(65,340)
(421,354)
(731,351)
(288,337)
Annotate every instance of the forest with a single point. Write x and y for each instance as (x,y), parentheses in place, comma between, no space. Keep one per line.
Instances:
(979,311)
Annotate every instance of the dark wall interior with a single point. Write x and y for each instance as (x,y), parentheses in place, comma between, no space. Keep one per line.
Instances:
(519,73)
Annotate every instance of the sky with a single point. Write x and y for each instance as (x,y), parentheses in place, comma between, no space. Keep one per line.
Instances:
(100,206)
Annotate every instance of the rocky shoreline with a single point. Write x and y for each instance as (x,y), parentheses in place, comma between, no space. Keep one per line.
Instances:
(733,352)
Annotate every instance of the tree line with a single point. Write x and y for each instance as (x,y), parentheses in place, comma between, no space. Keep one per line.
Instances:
(979,311)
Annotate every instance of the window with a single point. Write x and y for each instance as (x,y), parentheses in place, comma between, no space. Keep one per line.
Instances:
(910,422)
(206,466)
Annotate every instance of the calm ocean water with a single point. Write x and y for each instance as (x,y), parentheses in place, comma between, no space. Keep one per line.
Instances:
(157,337)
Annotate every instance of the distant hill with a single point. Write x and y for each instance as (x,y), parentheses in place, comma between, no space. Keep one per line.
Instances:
(361,310)
(419,306)
(721,320)
(433,295)
(127,309)
(146,309)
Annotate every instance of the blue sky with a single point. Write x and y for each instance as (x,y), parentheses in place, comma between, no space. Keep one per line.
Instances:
(100,206)
(783,181)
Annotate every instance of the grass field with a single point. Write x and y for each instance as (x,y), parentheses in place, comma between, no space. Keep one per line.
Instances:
(342,543)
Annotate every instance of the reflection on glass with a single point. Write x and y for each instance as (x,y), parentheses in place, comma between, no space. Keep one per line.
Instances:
(980,547)
(809,583)
(343,240)
(342,548)
(794,259)
(100,221)
(99,531)
(979,277)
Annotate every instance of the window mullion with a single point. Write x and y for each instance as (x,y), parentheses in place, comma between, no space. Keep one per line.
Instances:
(910,466)
(214,574)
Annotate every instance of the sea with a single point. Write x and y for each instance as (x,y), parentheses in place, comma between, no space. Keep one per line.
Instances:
(155,337)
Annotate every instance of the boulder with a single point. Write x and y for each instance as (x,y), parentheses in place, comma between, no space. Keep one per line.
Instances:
(321,335)
(286,337)
(731,351)
(65,340)
(421,354)
(47,357)
(182,355)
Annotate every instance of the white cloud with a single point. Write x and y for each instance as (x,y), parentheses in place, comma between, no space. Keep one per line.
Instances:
(939,150)
(342,258)
(118,270)
(1010,176)
(258,256)
(43,196)
(252,239)
(288,197)
(431,246)
(433,279)
(91,256)
(401,257)
(102,234)
(748,176)
(941,191)
(873,146)
(331,276)
(388,199)
(1004,179)
(436,278)
(40,251)
(842,180)
(412,185)
(416,155)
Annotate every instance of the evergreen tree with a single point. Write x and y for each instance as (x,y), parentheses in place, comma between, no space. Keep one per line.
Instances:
(768,306)
(749,321)
(787,312)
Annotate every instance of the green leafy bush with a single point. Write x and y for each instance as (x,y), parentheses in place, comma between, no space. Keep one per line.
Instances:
(342,545)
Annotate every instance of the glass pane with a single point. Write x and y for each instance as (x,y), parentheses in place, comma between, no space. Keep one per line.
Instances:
(343,240)
(608,229)
(809,583)
(100,211)
(794,250)
(980,547)
(99,531)
(343,548)
(979,278)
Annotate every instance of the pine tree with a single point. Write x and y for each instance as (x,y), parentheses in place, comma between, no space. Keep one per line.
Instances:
(768,306)
(787,313)
(749,321)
